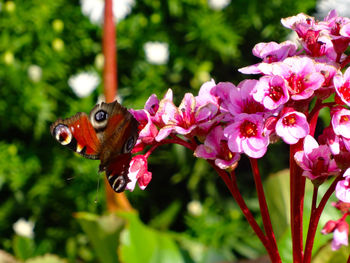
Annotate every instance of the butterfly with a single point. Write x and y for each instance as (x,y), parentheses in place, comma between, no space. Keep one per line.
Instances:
(108,133)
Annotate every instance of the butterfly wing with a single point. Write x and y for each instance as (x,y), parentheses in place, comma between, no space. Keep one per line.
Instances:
(117,172)
(77,134)
(118,137)
(109,133)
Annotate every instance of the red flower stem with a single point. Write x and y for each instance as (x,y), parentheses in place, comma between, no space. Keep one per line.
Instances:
(312,225)
(313,116)
(263,207)
(338,57)
(109,52)
(180,141)
(231,184)
(297,189)
(114,201)
(345,62)
(175,140)
(315,219)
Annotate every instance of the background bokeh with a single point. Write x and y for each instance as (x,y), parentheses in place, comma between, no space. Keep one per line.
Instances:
(50,66)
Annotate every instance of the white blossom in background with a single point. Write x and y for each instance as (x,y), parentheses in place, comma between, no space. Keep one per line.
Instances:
(218,4)
(195,208)
(156,52)
(84,83)
(94,9)
(34,73)
(324,6)
(24,228)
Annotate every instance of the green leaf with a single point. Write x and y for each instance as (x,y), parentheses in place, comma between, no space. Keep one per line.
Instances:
(164,219)
(277,195)
(46,259)
(23,247)
(103,232)
(140,243)
(326,255)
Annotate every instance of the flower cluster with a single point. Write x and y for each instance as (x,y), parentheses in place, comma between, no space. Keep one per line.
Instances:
(225,120)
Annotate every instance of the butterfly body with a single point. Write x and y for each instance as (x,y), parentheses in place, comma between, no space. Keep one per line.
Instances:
(108,133)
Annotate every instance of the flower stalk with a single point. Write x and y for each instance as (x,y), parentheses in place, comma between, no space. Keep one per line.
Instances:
(225,121)
(114,201)
(264,210)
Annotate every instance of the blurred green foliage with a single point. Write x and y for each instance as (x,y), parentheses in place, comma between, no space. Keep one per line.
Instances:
(43,182)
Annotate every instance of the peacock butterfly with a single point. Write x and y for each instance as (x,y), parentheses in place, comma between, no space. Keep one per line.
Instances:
(109,134)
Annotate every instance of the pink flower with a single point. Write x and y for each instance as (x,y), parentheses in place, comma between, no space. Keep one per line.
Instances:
(273,52)
(215,148)
(292,126)
(329,227)
(152,104)
(342,207)
(314,37)
(138,173)
(345,30)
(342,86)
(186,118)
(341,122)
(180,120)
(205,95)
(328,137)
(299,72)
(222,92)
(241,99)
(302,77)
(300,23)
(316,161)
(245,135)
(342,190)
(337,27)
(271,91)
(340,235)
(318,43)
(270,52)
(147,130)
(328,70)
(155,109)
(340,229)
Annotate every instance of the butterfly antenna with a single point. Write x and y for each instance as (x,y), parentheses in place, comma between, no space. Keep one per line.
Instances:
(98,188)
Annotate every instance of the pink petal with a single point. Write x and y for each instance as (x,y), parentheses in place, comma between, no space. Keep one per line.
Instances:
(164,132)
(152,104)
(184,131)
(205,152)
(170,112)
(144,180)
(342,191)
(339,238)
(188,103)
(253,69)
(310,144)
(251,151)
(206,112)
(345,30)
(224,164)
(204,95)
